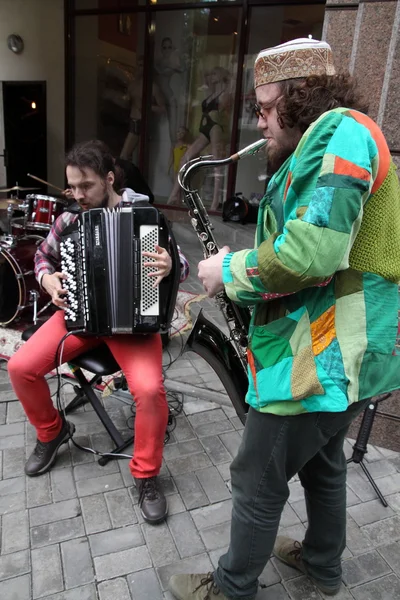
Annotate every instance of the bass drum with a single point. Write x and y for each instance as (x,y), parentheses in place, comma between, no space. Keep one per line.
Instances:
(17,279)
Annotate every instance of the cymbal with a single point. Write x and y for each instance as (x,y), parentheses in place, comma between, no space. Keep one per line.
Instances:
(4,202)
(18,188)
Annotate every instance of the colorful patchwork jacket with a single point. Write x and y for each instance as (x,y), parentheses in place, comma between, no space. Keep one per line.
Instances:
(324,275)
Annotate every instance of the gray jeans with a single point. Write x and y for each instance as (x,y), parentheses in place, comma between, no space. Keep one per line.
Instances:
(273,450)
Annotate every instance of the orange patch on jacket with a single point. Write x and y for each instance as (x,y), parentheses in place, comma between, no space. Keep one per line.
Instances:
(287,186)
(250,360)
(383,149)
(345,167)
(323,331)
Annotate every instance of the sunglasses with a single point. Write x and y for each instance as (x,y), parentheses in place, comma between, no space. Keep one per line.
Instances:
(258,110)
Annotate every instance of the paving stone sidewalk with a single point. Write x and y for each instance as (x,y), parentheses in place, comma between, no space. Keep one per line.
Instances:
(76,533)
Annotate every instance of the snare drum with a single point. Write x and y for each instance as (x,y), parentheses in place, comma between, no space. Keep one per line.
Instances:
(43,210)
(17,279)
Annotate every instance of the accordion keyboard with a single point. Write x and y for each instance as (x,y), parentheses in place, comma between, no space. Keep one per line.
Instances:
(75,282)
(149,295)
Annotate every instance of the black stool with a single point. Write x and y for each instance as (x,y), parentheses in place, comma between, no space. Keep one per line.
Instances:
(101,362)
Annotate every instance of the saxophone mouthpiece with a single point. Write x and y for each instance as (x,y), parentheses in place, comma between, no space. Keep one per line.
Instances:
(249,150)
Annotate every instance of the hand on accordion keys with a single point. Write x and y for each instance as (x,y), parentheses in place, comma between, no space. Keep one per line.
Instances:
(161,261)
(52,284)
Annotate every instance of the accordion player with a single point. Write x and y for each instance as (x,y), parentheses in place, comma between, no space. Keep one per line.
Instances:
(109,290)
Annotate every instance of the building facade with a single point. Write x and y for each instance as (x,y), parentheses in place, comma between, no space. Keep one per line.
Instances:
(365,37)
(154,77)
(162,82)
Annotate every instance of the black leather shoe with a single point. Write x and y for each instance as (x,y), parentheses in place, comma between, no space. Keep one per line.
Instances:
(152,502)
(45,453)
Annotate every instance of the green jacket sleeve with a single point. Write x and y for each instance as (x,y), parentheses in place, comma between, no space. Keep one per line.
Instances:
(333,170)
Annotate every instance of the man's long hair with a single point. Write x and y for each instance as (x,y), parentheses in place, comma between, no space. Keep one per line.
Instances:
(305,99)
(95,155)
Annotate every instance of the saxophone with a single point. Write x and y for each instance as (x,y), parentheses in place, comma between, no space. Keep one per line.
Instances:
(226,355)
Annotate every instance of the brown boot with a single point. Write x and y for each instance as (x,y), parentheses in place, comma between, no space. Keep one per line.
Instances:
(289,552)
(200,586)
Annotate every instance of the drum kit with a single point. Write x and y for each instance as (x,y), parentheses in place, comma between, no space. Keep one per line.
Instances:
(27,223)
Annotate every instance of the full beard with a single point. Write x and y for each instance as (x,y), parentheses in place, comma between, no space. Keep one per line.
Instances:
(280,151)
(276,157)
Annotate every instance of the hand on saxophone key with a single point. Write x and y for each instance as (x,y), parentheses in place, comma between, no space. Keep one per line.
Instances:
(210,272)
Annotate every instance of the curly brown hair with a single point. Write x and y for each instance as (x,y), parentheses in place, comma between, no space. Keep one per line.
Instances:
(305,99)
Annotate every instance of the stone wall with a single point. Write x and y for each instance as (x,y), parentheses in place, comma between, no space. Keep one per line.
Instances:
(365,38)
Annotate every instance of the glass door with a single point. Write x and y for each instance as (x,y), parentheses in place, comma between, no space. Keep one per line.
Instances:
(194,74)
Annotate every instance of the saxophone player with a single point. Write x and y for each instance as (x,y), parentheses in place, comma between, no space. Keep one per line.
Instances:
(323,281)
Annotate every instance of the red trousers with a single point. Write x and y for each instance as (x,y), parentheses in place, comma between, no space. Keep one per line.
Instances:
(140,358)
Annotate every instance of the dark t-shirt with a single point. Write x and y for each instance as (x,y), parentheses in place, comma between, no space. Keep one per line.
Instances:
(134,179)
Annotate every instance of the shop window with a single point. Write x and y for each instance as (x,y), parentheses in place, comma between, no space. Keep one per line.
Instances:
(195,69)
(108,80)
(191,88)
(268,26)
(106,4)
(163,2)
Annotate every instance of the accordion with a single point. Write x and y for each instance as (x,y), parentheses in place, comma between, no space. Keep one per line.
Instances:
(109,290)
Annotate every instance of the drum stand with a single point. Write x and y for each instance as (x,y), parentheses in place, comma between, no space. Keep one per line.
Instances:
(8,238)
(10,212)
(11,207)
(34,297)
(360,447)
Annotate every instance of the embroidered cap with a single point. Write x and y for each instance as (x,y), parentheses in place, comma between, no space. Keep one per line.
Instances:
(298,58)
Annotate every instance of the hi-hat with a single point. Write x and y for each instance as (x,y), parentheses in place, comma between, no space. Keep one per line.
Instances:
(18,188)
(6,201)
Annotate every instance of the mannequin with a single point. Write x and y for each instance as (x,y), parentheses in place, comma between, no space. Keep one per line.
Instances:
(165,67)
(135,116)
(213,129)
(182,143)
